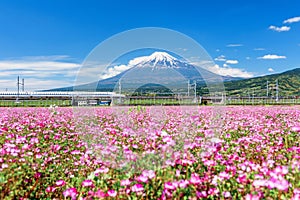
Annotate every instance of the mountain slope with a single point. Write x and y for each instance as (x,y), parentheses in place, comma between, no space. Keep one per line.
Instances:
(161,71)
(158,68)
(288,85)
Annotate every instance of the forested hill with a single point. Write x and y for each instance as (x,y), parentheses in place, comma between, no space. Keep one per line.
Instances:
(288,84)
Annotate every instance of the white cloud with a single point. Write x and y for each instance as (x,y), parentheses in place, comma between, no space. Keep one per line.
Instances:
(248,58)
(39,72)
(270,70)
(225,65)
(113,71)
(292,20)
(232,62)
(271,57)
(259,49)
(37,65)
(279,29)
(229,71)
(220,58)
(46,58)
(234,45)
(182,49)
(91,71)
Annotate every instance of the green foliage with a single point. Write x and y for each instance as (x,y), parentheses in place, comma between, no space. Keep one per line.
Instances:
(289,85)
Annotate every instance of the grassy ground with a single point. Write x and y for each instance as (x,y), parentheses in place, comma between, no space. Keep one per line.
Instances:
(34,103)
(63,103)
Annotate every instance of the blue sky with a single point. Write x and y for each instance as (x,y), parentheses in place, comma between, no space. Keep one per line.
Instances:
(46,41)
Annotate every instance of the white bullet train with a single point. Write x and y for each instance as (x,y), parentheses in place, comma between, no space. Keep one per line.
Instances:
(8,94)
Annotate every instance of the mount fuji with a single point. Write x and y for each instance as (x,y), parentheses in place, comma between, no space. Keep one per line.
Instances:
(157,68)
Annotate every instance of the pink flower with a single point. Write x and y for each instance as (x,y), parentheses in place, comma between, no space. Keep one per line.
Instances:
(183,183)
(271,183)
(259,183)
(137,188)
(34,140)
(56,147)
(100,194)
(213,191)
(282,170)
(226,194)
(296,128)
(25,147)
(38,156)
(112,193)
(297,191)
(282,185)
(142,178)
(50,189)
(296,197)
(149,173)
(202,194)
(177,173)
(195,179)
(87,183)
(186,162)
(251,197)
(4,165)
(169,186)
(101,170)
(75,152)
(224,175)
(60,183)
(242,178)
(125,182)
(71,192)
(37,175)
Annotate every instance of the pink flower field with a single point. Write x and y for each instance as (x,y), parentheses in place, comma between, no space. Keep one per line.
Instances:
(135,153)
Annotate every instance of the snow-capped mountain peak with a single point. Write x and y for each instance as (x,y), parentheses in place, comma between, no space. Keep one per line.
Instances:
(155,59)
(161,56)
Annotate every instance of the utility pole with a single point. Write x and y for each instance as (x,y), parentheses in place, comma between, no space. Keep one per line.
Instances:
(120,90)
(222,97)
(253,96)
(120,86)
(188,88)
(249,95)
(195,94)
(267,89)
(277,93)
(23,85)
(18,85)
(194,87)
